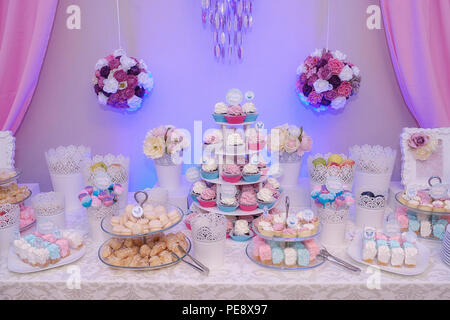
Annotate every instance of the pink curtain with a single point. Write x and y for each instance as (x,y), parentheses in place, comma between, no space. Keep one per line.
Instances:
(25,27)
(418,34)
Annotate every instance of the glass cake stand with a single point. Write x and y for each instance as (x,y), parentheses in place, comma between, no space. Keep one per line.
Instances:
(281,239)
(17,173)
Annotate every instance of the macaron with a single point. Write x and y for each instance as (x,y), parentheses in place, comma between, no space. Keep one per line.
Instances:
(102,195)
(82,195)
(89,189)
(96,202)
(108,201)
(86,201)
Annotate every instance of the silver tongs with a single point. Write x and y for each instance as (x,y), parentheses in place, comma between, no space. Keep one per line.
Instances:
(324,254)
(197,265)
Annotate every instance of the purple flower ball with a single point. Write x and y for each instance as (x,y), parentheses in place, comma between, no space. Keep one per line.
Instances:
(306,89)
(325,102)
(104,71)
(134,70)
(321,63)
(335,81)
(97,89)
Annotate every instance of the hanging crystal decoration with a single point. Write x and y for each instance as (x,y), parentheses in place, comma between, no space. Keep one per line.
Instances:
(229,20)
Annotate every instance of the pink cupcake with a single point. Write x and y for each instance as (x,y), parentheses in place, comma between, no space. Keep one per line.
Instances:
(248,201)
(207,198)
(231,173)
(235,115)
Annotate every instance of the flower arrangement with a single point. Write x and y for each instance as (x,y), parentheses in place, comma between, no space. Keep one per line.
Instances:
(326,80)
(121,81)
(291,139)
(165,139)
(422,145)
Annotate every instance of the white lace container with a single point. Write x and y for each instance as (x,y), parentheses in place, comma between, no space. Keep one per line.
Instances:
(49,206)
(95,217)
(118,168)
(374,165)
(208,235)
(9,225)
(290,165)
(168,171)
(334,223)
(7,149)
(64,165)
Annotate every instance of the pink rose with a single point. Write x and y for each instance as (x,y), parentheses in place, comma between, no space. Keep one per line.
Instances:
(306,143)
(311,72)
(114,63)
(312,79)
(345,89)
(113,99)
(109,58)
(335,65)
(129,93)
(97,73)
(325,72)
(132,81)
(418,140)
(309,62)
(314,97)
(327,56)
(159,131)
(331,95)
(120,75)
(303,78)
(100,82)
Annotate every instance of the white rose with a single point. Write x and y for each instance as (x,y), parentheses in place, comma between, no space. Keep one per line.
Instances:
(301,69)
(294,131)
(127,62)
(355,70)
(119,52)
(317,53)
(346,73)
(145,80)
(321,85)
(338,103)
(142,64)
(101,63)
(102,99)
(110,85)
(134,102)
(339,55)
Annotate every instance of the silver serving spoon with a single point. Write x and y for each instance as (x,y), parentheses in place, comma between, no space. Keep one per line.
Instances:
(197,265)
(324,254)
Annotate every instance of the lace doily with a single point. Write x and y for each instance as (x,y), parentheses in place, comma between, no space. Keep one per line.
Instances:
(369,202)
(101,212)
(118,174)
(7,149)
(373,159)
(290,157)
(332,216)
(209,227)
(319,173)
(170,159)
(9,215)
(67,160)
(48,204)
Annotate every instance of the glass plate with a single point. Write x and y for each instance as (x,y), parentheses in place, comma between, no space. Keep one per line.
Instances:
(318,262)
(18,172)
(397,196)
(143,268)
(28,226)
(26,198)
(107,227)
(280,239)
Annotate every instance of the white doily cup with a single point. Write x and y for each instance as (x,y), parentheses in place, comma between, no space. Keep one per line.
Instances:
(209,235)
(290,165)
(370,211)
(95,217)
(64,165)
(169,172)
(9,225)
(50,206)
(334,223)
(118,169)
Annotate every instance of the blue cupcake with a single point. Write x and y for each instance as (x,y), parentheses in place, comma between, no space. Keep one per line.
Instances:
(219,117)
(209,175)
(251,117)
(303,257)
(250,112)
(250,173)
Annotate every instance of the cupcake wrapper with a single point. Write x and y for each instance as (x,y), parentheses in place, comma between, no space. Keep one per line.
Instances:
(219,117)
(248,208)
(226,208)
(206,204)
(250,117)
(235,119)
(194,197)
(209,175)
(256,146)
(231,179)
(261,205)
(252,177)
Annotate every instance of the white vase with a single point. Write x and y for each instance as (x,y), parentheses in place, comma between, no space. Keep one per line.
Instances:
(211,254)
(168,173)
(9,225)
(372,181)
(70,185)
(365,217)
(334,223)
(95,217)
(290,172)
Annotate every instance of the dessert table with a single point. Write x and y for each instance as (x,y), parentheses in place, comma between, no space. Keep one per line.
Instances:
(239,278)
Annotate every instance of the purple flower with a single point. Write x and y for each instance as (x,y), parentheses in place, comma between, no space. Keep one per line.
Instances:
(335,81)
(321,63)
(139,92)
(120,75)
(104,71)
(306,89)
(312,79)
(97,89)
(134,70)
(330,95)
(114,64)
(324,72)
(325,102)
(418,140)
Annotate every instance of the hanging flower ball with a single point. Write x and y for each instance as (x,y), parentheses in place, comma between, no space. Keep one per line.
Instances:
(122,82)
(325,80)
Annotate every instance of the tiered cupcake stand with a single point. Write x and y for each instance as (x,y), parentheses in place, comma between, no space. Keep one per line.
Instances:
(222,153)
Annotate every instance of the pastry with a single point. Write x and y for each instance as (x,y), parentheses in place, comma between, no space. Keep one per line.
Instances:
(265,253)
(231,173)
(290,257)
(277,256)
(210,169)
(207,198)
(383,251)
(251,173)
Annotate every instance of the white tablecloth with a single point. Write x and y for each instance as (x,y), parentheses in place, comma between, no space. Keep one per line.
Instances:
(239,278)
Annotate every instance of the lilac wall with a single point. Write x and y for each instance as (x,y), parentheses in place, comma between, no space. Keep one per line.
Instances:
(169,36)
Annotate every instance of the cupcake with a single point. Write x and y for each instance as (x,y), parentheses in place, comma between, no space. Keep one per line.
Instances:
(241,231)
(273,184)
(247,201)
(250,112)
(265,198)
(438,206)
(251,173)
(227,204)
(207,198)
(234,139)
(210,170)
(220,110)
(231,173)
(262,166)
(265,228)
(256,140)
(278,229)
(213,138)
(197,189)
(235,115)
